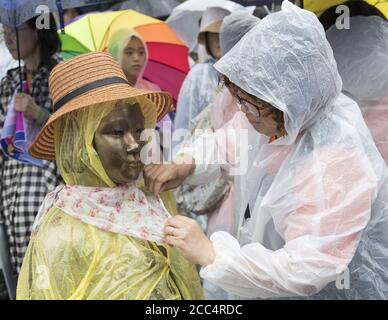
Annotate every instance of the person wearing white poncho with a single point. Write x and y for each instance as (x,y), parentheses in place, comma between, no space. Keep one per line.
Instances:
(201,82)
(317,197)
(361,53)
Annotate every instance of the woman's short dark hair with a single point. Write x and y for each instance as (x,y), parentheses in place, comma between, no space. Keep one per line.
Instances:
(356,8)
(49,41)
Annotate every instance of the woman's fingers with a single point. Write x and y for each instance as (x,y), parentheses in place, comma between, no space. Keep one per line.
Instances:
(177,222)
(174,241)
(158,181)
(20,103)
(166,176)
(178,227)
(186,235)
(158,177)
(149,168)
(148,174)
(171,231)
(152,173)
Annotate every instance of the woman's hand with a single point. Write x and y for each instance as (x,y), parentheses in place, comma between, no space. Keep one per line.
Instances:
(25,103)
(161,177)
(187,237)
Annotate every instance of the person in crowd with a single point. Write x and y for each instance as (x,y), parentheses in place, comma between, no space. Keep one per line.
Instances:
(72,14)
(311,203)
(69,15)
(356,8)
(24,186)
(130,51)
(361,53)
(201,82)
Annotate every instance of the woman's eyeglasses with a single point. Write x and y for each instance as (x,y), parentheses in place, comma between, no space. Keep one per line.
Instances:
(248,107)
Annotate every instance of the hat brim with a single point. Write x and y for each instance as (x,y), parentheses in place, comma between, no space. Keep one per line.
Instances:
(44,146)
(214,27)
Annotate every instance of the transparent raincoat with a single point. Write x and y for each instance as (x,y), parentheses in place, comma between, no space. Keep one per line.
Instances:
(361,53)
(317,197)
(200,84)
(196,93)
(83,245)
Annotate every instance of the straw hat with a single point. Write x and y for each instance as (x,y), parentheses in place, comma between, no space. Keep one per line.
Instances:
(87,80)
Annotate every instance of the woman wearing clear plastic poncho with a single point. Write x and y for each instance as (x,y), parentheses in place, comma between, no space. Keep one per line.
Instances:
(361,53)
(311,209)
(201,82)
(99,236)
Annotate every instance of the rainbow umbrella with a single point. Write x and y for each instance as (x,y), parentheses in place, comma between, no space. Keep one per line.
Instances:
(168,56)
(319,6)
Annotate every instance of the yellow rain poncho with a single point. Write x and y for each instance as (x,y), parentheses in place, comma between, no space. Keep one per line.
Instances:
(70,259)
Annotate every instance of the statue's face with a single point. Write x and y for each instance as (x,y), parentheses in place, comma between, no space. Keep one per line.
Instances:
(117,142)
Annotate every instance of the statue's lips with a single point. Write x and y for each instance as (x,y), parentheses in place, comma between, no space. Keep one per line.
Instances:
(134,164)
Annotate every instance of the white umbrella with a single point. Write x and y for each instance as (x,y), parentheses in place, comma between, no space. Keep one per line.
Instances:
(185,18)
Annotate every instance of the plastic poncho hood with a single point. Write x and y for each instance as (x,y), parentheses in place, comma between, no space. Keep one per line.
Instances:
(302,81)
(234,27)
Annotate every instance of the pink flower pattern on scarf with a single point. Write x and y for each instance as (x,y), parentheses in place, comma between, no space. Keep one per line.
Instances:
(125,209)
